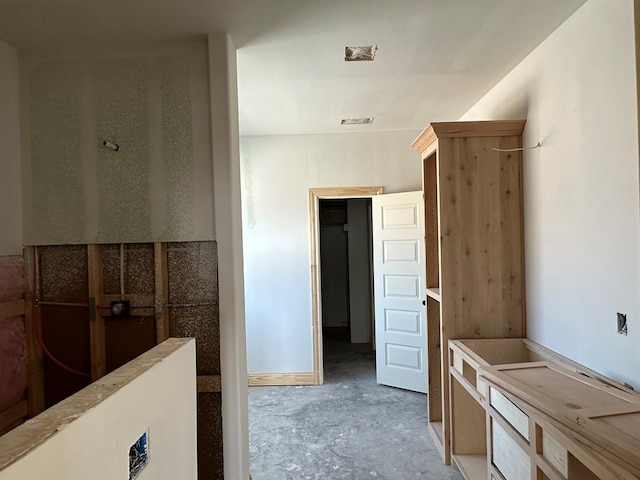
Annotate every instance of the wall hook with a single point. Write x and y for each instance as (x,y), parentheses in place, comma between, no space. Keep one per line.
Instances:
(113,146)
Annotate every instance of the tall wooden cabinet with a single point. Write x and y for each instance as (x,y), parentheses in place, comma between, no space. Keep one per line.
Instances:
(474,245)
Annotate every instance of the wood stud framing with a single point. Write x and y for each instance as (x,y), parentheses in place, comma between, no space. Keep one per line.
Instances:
(17,412)
(11,309)
(209,383)
(96,320)
(14,414)
(155,305)
(162,292)
(35,380)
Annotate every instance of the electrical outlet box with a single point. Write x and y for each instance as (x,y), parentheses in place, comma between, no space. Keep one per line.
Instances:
(622,323)
(138,456)
(120,308)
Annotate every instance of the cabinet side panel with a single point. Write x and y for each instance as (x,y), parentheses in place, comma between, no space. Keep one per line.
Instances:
(512,237)
(451,269)
(481,238)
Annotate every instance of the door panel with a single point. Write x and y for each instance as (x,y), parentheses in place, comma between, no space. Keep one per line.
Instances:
(399,283)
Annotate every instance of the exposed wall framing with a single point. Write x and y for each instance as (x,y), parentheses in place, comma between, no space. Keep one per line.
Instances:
(13,355)
(73,338)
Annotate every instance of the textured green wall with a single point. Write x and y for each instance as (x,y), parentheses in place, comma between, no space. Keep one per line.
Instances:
(10,159)
(81,192)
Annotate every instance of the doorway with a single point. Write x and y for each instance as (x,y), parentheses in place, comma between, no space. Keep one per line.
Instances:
(337,199)
(346,273)
(399,272)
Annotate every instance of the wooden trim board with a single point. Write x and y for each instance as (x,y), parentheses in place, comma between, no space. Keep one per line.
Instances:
(315,195)
(281,379)
(491,128)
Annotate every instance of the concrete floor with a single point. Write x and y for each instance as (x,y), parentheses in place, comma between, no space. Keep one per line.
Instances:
(350,428)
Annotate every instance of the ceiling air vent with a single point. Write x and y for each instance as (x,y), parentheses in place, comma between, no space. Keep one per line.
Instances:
(356,121)
(360,54)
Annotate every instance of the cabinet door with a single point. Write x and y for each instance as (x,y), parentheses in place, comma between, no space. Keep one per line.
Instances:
(507,456)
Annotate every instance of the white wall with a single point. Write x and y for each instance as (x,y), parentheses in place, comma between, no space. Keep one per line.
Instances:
(154,102)
(89,434)
(277,172)
(10,178)
(228,224)
(577,91)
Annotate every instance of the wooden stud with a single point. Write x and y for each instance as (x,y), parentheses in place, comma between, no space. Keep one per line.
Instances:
(315,194)
(161,292)
(96,321)
(13,414)
(35,378)
(209,383)
(11,309)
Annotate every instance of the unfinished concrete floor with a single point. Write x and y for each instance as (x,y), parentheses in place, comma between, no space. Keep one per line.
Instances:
(350,428)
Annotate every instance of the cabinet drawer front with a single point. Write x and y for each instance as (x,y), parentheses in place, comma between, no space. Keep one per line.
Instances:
(512,414)
(554,452)
(507,456)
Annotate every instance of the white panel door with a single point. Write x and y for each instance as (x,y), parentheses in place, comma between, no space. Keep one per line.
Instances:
(399,286)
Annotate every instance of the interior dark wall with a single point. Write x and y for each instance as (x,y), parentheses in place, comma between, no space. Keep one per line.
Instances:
(345,266)
(334,263)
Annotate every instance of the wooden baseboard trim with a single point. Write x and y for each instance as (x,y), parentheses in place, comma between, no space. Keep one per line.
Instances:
(280,379)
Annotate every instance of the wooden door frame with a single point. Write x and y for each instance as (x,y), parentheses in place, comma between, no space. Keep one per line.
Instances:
(315,195)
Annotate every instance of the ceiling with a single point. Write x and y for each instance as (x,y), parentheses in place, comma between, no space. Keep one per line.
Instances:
(435,57)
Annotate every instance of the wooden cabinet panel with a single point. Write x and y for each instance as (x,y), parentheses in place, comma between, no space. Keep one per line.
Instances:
(512,461)
(511,413)
(474,244)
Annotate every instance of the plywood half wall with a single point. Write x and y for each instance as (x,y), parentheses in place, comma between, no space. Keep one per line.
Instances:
(13,347)
(74,337)
(97,432)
